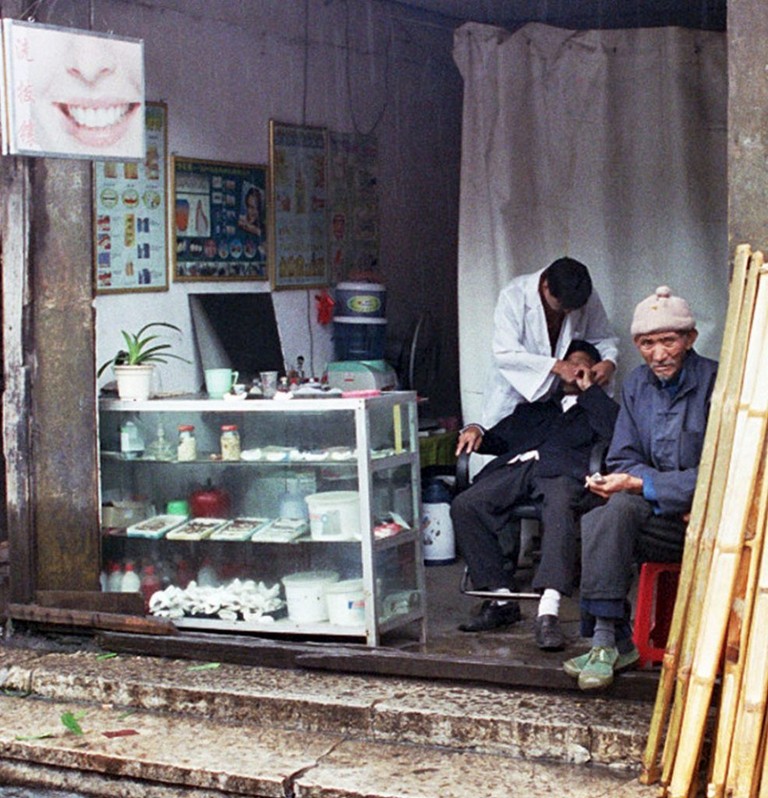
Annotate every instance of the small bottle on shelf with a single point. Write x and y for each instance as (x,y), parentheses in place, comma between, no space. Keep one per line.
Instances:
(292,504)
(187,448)
(131,441)
(207,576)
(131,582)
(150,584)
(160,448)
(230,442)
(114,578)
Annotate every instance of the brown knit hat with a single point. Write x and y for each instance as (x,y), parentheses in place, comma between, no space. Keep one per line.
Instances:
(661,311)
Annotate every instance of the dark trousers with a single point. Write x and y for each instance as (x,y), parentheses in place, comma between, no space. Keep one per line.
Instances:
(614,537)
(482,515)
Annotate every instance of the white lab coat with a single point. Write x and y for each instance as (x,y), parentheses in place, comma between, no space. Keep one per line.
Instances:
(521,370)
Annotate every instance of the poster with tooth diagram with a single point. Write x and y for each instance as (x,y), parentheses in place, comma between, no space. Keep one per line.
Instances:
(298,160)
(219,220)
(131,215)
(71,93)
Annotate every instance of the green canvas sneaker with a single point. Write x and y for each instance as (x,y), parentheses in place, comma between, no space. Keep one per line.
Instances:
(573,667)
(598,672)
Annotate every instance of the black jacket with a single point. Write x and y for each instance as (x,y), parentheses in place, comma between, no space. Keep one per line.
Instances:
(564,440)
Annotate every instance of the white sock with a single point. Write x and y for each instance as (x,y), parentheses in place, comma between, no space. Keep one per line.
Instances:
(500,602)
(549,603)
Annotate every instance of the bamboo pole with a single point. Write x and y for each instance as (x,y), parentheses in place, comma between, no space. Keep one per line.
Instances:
(759,788)
(754,785)
(713,512)
(750,429)
(741,774)
(651,770)
(736,649)
(709,519)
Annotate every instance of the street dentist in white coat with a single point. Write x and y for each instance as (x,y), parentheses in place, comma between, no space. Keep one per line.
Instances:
(536,318)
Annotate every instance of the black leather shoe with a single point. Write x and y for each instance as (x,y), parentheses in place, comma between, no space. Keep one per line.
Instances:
(549,635)
(493,616)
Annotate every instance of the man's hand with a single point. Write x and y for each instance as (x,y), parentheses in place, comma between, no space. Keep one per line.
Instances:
(469,440)
(613,483)
(584,378)
(603,371)
(567,372)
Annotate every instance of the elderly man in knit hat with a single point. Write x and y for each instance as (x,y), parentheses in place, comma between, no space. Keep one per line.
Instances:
(653,463)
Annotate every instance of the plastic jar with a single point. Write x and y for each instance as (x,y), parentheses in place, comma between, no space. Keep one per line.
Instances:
(187,449)
(230,442)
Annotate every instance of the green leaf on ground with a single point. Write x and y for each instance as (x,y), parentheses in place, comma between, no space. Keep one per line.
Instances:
(42,736)
(72,721)
(209,666)
(106,655)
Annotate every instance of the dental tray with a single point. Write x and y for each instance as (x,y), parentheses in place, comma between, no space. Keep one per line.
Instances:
(196,529)
(155,527)
(240,528)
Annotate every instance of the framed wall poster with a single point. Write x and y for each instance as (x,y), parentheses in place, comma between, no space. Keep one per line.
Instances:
(298,161)
(219,220)
(130,224)
(71,93)
(353,206)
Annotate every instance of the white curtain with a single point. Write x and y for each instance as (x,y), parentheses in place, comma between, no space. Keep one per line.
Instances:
(607,146)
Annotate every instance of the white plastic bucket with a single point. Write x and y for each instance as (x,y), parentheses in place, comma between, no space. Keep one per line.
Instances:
(437,535)
(361,300)
(334,515)
(305,595)
(346,602)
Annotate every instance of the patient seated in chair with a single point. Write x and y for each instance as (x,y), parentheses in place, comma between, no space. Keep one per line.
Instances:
(542,455)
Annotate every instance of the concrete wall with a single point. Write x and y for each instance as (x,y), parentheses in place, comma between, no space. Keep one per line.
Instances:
(747,142)
(225,68)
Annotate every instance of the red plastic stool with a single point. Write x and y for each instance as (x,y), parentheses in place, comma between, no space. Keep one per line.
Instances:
(656,592)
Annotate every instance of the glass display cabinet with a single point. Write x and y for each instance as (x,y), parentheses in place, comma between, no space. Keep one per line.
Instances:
(293,516)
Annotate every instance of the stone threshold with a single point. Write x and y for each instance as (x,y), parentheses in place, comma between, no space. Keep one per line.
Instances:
(488,720)
(146,754)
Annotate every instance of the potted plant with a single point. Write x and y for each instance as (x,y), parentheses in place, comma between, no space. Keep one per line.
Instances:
(133,365)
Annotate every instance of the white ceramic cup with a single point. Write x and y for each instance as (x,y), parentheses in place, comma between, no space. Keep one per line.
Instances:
(219,381)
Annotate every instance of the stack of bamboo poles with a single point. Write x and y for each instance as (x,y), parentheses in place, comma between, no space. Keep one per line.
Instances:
(719,632)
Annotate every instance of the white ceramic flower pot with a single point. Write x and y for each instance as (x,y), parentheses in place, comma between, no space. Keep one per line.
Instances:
(134,382)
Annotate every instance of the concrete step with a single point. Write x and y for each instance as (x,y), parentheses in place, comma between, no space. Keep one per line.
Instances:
(158,755)
(486,719)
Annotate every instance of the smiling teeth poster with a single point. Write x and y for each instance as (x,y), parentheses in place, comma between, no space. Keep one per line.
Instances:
(70,93)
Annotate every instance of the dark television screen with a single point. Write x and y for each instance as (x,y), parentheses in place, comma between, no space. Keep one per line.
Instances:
(237,331)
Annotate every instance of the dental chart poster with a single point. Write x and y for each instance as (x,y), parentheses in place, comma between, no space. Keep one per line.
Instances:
(71,94)
(219,220)
(298,160)
(130,205)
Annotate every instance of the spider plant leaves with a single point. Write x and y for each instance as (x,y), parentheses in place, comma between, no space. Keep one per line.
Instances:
(140,348)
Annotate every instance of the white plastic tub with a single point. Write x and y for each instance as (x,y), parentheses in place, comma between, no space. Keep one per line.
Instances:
(361,300)
(334,515)
(305,595)
(346,602)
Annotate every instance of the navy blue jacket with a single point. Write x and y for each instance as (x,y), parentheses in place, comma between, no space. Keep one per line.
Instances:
(660,433)
(564,440)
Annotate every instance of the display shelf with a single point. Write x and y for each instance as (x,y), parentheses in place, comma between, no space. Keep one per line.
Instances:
(359,455)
